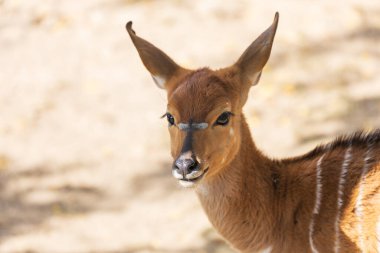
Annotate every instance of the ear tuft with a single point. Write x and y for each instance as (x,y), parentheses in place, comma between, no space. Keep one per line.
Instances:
(276,17)
(128,26)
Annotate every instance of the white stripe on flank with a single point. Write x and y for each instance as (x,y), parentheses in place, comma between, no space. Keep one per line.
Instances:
(359,205)
(318,193)
(342,181)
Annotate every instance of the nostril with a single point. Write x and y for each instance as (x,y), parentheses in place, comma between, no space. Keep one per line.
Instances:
(185,166)
(193,166)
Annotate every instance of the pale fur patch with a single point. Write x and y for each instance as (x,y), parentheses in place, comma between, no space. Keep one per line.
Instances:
(202,189)
(342,181)
(232,131)
(267,250)
(318,193)
(159,81)
(176,174)
(359,203)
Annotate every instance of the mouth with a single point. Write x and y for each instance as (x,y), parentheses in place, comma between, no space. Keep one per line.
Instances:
(188,183)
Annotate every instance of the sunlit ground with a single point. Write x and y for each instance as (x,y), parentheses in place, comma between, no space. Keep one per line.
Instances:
(84,155)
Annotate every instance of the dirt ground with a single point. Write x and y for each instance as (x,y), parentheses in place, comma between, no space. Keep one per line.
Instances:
(84,155)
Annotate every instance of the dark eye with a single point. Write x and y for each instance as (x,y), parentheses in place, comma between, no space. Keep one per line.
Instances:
(223,119)
(170,119)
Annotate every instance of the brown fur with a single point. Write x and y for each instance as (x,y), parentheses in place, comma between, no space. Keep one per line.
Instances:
(253,201)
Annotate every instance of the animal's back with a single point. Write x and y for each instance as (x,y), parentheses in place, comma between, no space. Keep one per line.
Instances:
(346,210)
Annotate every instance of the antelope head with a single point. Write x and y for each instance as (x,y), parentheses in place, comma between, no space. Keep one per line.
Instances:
(204,110)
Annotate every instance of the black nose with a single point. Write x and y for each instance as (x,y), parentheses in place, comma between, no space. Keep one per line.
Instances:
(186,166)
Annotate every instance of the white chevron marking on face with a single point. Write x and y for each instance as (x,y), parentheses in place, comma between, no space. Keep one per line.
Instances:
(195,126)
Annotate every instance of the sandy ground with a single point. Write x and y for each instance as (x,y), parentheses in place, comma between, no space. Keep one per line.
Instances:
(84,155)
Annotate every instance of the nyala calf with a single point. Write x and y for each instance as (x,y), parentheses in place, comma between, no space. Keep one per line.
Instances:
(327,200)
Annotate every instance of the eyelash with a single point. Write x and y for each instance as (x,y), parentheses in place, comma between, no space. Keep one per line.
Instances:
(223,119)
(169,118)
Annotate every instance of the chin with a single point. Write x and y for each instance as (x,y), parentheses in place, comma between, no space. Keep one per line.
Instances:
(191,183)
(187,184)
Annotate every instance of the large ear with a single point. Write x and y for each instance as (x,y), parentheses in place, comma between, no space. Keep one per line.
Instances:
(254,58)
(161,67)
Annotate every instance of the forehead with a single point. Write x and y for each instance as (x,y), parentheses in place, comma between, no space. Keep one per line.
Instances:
(198,94)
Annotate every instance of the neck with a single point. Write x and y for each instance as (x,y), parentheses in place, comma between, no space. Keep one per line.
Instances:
(239,200)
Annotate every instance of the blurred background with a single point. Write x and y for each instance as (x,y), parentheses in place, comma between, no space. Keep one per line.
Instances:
(84,155)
